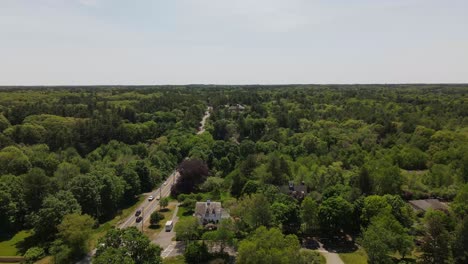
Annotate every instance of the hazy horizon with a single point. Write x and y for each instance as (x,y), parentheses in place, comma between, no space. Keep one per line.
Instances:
(266,42)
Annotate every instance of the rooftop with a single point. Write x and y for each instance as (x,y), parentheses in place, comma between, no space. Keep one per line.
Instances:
(424,205)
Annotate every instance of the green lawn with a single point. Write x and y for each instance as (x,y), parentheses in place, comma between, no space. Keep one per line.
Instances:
(152,231)
(10,247)
(323,260)
(174,260)
(357,257)
(184,212)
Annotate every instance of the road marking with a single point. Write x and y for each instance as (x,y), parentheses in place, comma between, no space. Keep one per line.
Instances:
(168,250)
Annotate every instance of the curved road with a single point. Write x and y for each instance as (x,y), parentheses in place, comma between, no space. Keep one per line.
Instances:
(203,121)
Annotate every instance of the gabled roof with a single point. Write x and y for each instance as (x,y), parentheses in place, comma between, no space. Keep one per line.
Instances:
(424,205)
(202,208)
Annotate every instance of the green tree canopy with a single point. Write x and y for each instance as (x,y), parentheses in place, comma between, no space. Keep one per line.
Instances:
(334,214)
(75,230)
(269,246)
(126,243)
(54,208)
(383,236)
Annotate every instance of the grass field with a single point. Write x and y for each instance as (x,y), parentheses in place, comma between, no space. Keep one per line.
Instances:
(322,259)
(174,260)
(357,257)
(152,231)
(9,245)
(184,212)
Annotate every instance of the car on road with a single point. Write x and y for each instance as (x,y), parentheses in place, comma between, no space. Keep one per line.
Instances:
(158,197)
(151,198)
(138,220)
(138,212)
(165,183)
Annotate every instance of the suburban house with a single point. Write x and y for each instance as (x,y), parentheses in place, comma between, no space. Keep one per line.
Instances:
(298,192)
(421,206)
(236,107)
(210,212)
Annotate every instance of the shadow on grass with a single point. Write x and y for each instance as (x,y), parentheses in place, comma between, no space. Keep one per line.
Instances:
(155,226)
(27,243)
(5,236)
(403,260)
(162,210)
(310,243)
(339,244)
(187,213)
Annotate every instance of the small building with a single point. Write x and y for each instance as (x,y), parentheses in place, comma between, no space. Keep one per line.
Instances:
(210,212)
(298,192)
(422,206)
(236,107)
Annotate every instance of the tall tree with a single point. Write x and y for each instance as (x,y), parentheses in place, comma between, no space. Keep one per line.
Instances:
(383,236)
(255,210)
(86,189)
(12,202)
(437,240)
(193,172)
(460,243)
(269,246)
(54,208)
(127,242)
(309,214)
(75,230)
(36,187)
(333,214)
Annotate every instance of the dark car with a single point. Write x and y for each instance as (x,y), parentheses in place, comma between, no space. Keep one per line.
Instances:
(138,212)
(138,220)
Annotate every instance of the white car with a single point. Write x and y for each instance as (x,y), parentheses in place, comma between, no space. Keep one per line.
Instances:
(151,198)
(165,183)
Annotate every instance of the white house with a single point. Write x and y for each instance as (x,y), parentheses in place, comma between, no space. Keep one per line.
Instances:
(209,212)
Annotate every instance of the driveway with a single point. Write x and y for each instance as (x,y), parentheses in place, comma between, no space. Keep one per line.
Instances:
(164,238)
(331,257)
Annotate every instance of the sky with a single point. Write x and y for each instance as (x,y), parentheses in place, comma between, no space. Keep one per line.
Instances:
(112,42)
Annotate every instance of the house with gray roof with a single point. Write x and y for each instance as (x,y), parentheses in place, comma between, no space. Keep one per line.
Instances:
(426,204)
(210,212)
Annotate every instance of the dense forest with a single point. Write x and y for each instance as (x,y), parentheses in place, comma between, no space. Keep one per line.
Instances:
(71,158)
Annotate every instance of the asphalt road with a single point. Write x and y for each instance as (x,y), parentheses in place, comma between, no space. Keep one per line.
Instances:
(203,121)
(148,207)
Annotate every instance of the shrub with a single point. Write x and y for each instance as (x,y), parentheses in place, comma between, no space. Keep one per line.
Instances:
(33,254)
(155,218)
